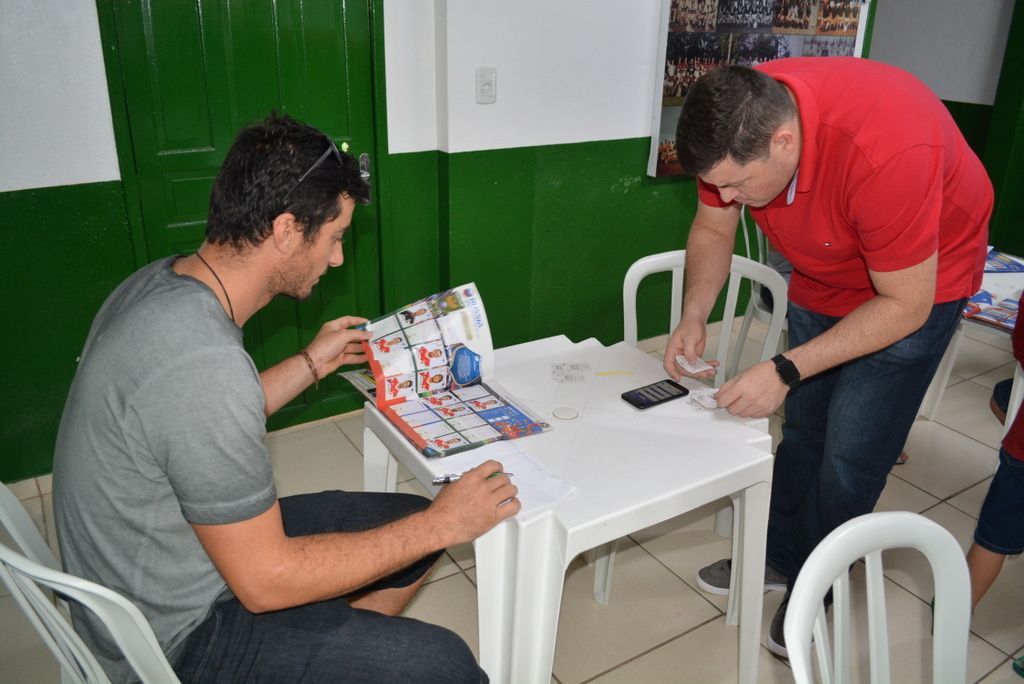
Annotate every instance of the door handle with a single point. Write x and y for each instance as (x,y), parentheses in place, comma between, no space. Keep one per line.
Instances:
(364,170)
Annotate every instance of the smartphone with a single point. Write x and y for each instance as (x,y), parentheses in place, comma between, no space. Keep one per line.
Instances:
(656,393)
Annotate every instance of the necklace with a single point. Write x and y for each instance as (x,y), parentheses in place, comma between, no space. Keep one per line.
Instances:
(222,288)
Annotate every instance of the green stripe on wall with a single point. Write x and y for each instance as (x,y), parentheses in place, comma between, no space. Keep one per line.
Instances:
(548,232)
(973,120)
(65,249)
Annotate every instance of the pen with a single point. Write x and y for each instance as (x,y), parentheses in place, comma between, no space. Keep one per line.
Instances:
(448,478)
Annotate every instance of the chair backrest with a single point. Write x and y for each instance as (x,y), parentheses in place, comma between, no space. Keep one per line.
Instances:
(828,565)
(741,268)
(28,573)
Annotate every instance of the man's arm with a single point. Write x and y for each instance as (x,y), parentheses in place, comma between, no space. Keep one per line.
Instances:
(337,344)
(267,570)
(708,259)
(902,304)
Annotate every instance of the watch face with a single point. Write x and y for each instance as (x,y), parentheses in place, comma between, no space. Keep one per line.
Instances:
(787,370)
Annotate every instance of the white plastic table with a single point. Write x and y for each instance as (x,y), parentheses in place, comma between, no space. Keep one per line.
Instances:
(630,469)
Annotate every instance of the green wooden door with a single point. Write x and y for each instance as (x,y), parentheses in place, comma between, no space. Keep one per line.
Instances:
(194,72)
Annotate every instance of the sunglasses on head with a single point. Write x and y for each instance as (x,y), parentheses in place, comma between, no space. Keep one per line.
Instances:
(364,168)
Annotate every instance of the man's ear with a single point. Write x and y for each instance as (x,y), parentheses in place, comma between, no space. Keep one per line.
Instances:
(787,139)
(287,233)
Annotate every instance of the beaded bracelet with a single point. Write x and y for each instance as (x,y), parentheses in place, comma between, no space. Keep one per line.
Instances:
(312,367)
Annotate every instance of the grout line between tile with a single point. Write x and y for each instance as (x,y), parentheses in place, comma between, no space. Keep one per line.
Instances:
(653,648)
(345,435)
(672,572)
(993,670)
(892,473)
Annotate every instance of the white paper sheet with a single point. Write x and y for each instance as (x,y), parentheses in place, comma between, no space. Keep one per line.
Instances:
(537,487)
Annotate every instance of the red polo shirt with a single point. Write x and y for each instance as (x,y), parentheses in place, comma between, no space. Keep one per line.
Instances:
(885,179)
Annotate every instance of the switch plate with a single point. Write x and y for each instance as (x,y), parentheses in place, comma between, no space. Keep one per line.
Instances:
(486,85)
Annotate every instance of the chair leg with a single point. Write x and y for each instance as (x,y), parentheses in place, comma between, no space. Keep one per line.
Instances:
(603,565)
(930,403)
(723,521)
(1016,397)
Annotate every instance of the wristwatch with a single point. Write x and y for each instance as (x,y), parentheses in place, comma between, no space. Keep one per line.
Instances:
(787,370)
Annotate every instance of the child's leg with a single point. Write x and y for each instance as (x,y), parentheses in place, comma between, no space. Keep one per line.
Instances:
(1000,530)
(984,566)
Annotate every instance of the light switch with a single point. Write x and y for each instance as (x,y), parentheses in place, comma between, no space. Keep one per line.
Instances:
(486,85)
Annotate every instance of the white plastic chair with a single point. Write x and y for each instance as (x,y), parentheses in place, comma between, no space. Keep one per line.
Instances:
(35,567)
(1016,398)
(741,269)
(828,565)
(756,246)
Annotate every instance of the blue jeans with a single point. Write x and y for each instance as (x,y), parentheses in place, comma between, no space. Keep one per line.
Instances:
(1001,520)
(844,429)
(329,641)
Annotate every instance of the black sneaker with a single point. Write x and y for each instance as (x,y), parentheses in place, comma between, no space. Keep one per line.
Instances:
(776,633)
(714,578)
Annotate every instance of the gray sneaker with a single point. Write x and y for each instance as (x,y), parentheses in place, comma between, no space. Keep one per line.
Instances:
(776,633)
(714,578)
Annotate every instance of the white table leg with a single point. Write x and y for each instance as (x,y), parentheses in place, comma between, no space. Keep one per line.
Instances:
(380,469)
(748,574)
(495,591)
(932,398)
(538,598)
(604,563)
(732,605)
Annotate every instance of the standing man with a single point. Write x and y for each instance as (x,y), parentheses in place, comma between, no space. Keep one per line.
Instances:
(163,489)
(859,177)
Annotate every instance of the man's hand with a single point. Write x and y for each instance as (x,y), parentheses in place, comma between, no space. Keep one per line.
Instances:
(755,393)
(688,339)
(476,502)
(338,344)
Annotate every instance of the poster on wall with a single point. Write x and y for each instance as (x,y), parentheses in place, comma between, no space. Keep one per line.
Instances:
(698,35)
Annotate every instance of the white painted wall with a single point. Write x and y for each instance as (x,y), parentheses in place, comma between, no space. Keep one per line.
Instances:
(410,63)
(955,47)
(55,126)
(568,71)
(580,70)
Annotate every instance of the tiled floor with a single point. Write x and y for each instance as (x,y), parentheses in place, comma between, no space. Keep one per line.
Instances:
(658,626)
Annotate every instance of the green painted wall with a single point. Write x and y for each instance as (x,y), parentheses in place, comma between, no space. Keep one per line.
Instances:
(548,232)
(411,267)
(65,248)
(974,121)
(1004,152)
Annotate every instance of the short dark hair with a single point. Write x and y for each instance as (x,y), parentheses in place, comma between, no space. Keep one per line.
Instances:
(731,111)
(257,182)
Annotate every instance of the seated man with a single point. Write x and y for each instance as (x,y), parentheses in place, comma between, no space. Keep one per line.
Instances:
(163,489)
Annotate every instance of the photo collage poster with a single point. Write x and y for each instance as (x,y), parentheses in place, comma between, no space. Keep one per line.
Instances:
(703,34)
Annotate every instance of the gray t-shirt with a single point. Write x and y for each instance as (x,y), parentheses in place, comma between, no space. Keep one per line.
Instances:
(163,427)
